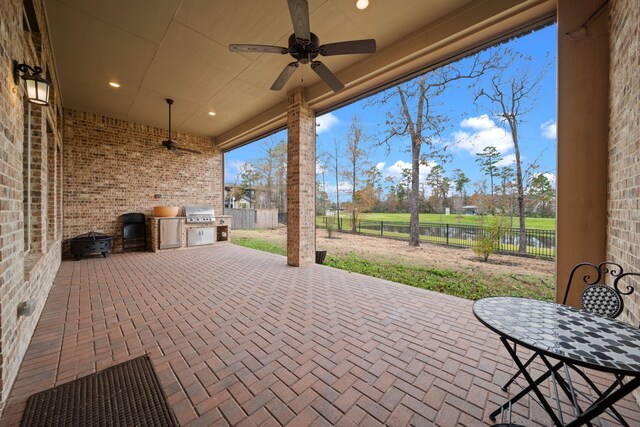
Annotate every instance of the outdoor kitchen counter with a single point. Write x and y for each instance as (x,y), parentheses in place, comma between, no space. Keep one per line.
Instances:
(221,226)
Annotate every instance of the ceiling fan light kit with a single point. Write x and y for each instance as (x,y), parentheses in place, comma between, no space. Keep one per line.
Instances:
(304,47)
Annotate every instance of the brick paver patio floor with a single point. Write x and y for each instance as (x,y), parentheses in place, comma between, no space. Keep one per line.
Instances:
(238,337)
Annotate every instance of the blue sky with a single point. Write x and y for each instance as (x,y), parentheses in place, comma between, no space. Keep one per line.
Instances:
(468,131)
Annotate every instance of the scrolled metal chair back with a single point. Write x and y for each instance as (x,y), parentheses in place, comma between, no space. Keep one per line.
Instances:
(597,297)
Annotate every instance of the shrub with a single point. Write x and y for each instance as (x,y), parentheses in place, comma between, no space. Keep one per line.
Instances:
(330,222)
(489,242)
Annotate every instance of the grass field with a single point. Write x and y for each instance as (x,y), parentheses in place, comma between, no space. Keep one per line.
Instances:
(465,284)
(532,223)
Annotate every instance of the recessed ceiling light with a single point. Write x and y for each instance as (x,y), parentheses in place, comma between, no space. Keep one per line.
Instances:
(114,84)
(362,4)
(212,113)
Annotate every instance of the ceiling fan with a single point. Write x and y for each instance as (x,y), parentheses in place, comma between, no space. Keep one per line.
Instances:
(171,145)
(304,47)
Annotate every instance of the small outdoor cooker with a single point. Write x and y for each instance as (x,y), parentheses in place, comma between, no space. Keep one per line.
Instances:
(90,243)
(201,229)
(200,214)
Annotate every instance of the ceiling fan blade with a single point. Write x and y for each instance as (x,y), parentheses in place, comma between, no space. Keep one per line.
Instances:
(257,48)
(350,47)
(299,10)
(188,150)
(329,78)
(284,76)
(176,152)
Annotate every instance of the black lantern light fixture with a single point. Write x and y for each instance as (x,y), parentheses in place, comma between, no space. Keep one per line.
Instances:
(37,86)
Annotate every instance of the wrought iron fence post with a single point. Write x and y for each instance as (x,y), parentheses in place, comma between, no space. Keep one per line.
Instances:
(381,228)
(447,234)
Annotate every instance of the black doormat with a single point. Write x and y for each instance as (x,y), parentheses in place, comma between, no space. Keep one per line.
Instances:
(127,394)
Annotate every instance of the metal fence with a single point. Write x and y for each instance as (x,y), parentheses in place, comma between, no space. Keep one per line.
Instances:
(540,243)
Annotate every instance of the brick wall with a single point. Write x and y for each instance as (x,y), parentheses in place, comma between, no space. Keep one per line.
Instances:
(114,166)
(623,240)
(25,275)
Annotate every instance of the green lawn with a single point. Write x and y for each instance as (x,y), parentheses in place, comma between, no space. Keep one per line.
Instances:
(533,223)
(470,285)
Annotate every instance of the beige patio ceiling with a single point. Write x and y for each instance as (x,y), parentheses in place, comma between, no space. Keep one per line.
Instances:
(179,49)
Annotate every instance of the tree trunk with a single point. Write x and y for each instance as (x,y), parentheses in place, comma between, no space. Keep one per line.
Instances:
(354,213)
(414,229)
(522,241)
(338,196)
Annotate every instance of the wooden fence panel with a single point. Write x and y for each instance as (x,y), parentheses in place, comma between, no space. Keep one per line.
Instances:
(253,218)
(266,218)
(242,218)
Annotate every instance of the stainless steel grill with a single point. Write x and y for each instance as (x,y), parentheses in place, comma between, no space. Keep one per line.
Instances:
(200,214)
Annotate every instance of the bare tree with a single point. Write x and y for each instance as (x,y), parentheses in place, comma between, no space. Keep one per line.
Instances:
(322,198)
(506,174)
(512,89)
(272,170)
(413,114)
(280,153)
(332,160)
(357,161)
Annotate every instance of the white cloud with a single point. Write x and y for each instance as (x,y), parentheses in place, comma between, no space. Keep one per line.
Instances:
(478,123)
(395,170)
(508,160)
(344,186)
(549,129)
(326,122)
(482,132)
(232,169)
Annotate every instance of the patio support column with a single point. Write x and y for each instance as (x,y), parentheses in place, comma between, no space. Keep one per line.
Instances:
(583,123)
(301,180)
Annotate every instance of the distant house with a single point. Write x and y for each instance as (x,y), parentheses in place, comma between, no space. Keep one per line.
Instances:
(250,198)
(470,209)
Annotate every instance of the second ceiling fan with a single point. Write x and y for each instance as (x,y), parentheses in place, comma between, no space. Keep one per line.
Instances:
(304,47)
(169,144)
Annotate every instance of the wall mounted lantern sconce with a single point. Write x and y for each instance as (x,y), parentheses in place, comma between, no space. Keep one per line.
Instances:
(37,86)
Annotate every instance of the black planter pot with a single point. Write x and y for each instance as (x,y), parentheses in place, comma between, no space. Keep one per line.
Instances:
(90,243)
(320,255)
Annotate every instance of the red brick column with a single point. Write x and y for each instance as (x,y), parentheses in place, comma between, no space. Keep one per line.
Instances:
(301,180)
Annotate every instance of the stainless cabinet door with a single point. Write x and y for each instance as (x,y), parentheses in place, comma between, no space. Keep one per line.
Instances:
(200,236)
(170,233)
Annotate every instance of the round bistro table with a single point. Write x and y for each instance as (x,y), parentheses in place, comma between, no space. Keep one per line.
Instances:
(571,337)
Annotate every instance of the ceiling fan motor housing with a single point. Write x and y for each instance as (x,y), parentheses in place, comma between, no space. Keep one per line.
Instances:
(304,51)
